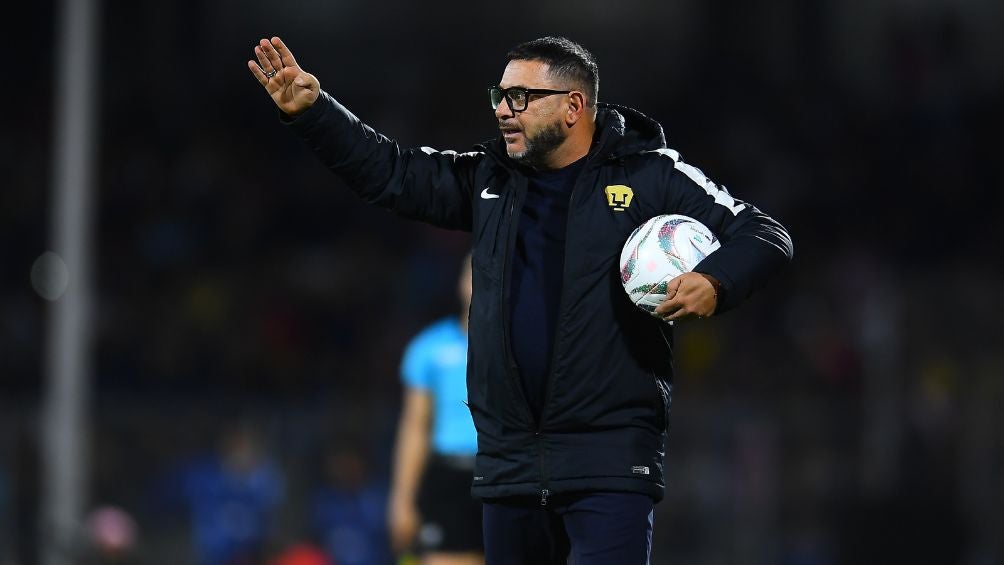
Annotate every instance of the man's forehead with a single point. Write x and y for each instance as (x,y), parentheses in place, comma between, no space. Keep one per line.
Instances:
(531,74)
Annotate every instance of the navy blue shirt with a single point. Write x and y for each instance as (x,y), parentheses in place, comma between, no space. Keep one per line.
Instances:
(537,267)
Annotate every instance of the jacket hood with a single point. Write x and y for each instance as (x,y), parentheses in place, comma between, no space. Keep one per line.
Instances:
(620,131)
(625,131)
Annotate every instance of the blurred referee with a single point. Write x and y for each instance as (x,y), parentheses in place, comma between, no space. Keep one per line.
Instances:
(431,508)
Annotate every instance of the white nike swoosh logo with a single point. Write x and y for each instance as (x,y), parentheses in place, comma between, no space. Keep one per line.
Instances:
(487,195)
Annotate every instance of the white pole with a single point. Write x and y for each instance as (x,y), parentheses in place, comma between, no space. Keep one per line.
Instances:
(64,451)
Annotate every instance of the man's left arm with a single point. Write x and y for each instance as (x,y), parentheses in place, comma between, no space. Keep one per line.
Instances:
(754,246)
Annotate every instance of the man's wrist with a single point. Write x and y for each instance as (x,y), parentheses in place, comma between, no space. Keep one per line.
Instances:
(717,286)
(714,283)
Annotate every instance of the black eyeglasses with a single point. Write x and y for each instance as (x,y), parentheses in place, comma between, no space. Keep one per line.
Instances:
(518,97)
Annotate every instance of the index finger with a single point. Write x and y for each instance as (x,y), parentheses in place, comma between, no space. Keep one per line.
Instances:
(284,53)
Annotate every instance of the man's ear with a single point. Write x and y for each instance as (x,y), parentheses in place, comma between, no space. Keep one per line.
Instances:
(576,107)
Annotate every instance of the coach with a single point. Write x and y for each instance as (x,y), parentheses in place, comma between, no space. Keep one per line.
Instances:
(568,382)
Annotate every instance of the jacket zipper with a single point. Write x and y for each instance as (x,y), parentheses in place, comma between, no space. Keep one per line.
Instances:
(545,492)
(540,453)
(513,369)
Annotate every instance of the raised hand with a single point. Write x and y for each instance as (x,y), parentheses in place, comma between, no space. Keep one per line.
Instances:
(292,89)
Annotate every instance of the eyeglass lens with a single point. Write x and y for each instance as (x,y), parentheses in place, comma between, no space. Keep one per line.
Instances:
(516,97)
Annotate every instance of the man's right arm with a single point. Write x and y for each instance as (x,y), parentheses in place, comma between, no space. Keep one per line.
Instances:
(423,184)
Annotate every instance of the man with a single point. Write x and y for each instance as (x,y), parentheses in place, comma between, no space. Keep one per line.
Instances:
(568,382)
(431,501)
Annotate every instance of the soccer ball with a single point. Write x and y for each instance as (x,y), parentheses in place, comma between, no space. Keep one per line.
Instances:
(660,250)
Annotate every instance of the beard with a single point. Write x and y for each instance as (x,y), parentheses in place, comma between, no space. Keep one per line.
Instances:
(538,147)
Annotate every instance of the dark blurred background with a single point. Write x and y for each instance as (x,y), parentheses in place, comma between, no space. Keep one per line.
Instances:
(250,312)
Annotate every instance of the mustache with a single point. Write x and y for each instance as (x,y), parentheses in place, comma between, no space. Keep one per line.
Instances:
(509,126)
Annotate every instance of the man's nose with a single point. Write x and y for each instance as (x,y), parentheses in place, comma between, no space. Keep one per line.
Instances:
(503,110)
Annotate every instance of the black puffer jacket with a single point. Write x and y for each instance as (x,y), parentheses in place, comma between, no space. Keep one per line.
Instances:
(603,423)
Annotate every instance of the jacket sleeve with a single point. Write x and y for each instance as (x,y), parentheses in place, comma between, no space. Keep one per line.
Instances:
(754,245)
(422,184)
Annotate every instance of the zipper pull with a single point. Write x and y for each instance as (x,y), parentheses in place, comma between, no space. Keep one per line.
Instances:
(543,497)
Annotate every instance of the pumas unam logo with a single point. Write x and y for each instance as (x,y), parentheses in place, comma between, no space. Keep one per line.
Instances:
(619,196)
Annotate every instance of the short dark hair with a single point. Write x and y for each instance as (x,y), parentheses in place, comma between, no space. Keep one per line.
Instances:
(565,59)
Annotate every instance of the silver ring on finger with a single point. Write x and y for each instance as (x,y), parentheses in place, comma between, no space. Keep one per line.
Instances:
(271,73)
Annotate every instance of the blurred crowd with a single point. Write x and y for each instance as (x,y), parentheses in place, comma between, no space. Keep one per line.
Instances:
(250,312)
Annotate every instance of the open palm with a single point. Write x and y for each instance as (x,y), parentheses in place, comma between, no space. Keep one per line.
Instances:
(292,89)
